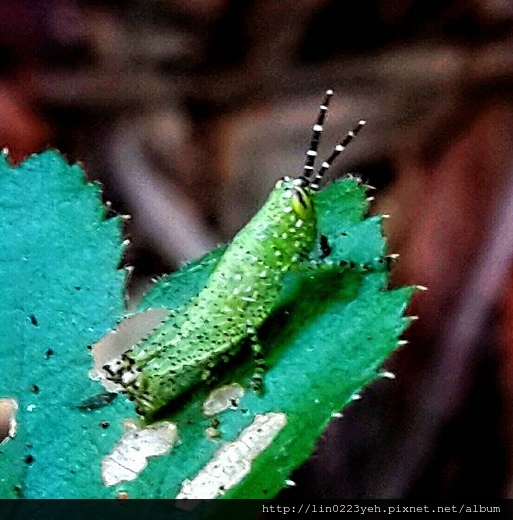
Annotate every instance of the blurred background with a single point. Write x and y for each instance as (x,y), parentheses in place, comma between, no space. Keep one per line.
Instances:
(187,111)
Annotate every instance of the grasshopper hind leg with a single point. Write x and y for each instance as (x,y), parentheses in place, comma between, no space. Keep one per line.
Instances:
(257,379)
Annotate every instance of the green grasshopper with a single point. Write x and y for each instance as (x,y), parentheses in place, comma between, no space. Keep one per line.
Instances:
(239,295)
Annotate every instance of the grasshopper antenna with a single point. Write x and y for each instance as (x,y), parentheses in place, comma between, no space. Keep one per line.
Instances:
(311,155)
(340,146)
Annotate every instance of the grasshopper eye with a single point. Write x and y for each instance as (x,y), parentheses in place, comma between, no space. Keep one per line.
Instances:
(301,202)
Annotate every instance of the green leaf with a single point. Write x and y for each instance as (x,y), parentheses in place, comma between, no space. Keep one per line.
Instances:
(334,325)
(332,331)
(61,290)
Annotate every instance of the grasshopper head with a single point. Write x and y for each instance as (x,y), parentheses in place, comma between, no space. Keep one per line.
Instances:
(296,194)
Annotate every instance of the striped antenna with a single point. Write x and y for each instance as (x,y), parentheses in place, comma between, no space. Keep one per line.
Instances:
(339,148)
(316,136)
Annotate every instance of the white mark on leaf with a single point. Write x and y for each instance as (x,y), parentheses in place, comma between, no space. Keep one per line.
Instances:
(223,398)
(232,462)
(130,455)
(212,432)
(8,423)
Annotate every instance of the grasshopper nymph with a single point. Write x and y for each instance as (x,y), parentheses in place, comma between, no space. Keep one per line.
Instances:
(239,295)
